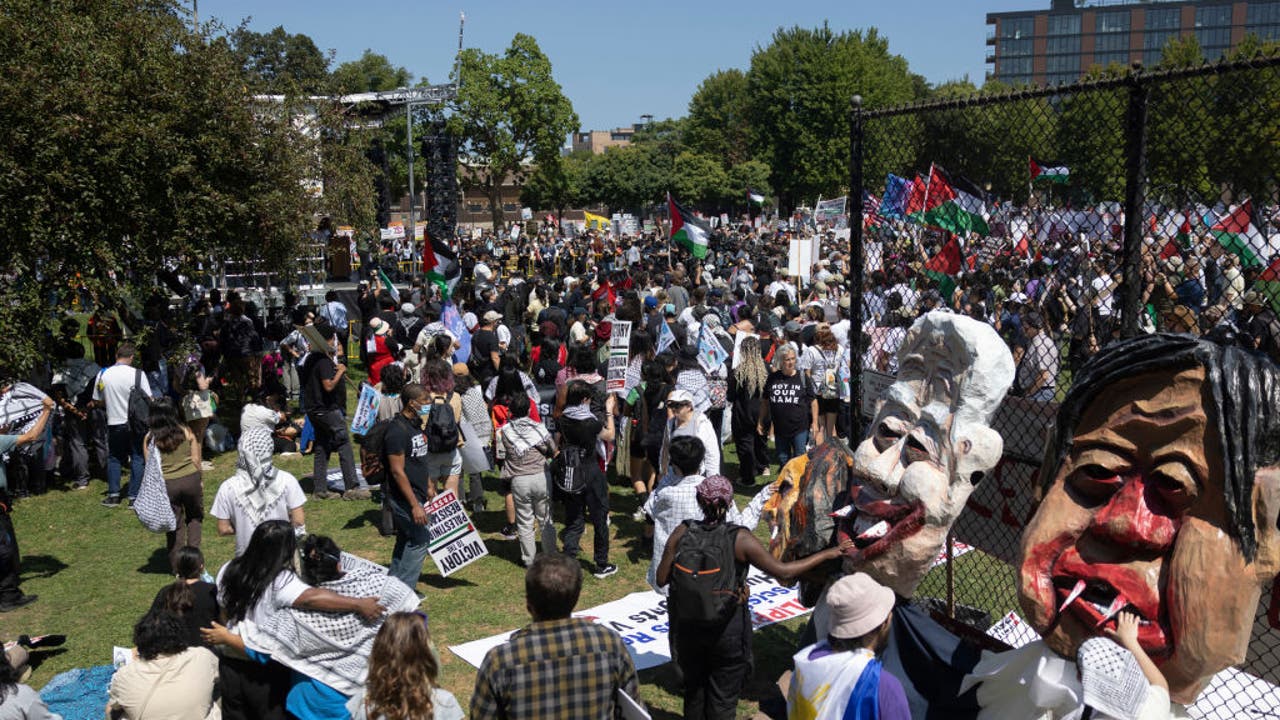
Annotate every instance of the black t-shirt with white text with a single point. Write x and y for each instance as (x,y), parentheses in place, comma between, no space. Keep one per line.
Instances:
(403,438)
(788,403)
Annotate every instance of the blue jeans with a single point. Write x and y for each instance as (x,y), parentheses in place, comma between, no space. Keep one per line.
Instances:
(789,447)
(410,551)
(121,444)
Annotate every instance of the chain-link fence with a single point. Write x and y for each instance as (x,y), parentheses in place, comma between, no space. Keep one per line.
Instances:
(1068,217)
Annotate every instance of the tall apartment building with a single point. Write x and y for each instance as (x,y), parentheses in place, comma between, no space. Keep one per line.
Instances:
(1058,45)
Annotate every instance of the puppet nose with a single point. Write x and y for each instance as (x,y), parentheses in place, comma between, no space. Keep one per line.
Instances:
(1129,520)
(885,470)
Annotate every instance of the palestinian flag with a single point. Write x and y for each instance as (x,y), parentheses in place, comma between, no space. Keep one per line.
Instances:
(944,266)
(955,206)
(389,286)
(687,230)
(1238,234)
(1268,285)
(755,197)
(1181,240)
(440,264)
(1049,172)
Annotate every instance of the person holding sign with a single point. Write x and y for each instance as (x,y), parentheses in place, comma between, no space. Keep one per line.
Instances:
(405,449)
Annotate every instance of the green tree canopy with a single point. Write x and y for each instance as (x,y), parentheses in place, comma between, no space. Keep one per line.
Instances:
(278,63)
(129,145)
(509,112)
(370,73)
(799,88)
(719,117)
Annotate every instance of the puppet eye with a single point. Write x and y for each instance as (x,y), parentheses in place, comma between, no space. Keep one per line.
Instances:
(1093,484)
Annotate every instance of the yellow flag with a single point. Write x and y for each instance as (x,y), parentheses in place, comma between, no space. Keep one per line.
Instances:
(597,222)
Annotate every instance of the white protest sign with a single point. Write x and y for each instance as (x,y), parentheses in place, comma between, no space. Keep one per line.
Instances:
(641,619)
(800,258)
(366,413)
(452,539)
(619,346)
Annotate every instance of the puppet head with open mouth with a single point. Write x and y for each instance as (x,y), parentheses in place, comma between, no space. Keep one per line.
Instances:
(1161,495)
(929,445)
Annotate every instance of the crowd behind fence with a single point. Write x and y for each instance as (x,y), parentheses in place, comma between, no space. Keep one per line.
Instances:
(1067,217)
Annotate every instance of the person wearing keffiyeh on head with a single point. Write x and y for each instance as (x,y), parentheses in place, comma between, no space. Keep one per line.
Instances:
(258,491)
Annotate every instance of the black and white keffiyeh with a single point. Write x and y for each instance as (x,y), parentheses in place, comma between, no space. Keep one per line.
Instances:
(332,647)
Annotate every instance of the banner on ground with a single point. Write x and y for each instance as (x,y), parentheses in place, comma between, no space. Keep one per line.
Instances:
(619,347)
(366,413)
(641,619)
(453,541)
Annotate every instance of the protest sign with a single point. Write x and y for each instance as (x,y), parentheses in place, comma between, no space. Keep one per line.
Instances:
(619,346)
(366,413)
(711,354)
(453,542)
(666,338)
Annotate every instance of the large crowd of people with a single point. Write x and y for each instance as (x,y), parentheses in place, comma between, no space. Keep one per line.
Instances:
(729,348)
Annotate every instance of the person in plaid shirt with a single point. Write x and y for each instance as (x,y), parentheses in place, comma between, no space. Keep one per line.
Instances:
(557,666)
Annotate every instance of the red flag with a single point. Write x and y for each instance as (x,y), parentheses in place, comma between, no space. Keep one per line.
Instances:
(940,190)
(604,291)
(948,260)
(1170,250)
(915,197)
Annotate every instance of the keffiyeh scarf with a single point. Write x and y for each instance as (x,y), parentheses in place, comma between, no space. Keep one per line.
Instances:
(256,480)
(332,647)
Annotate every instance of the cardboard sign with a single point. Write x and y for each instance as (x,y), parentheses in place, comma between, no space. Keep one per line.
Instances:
(453,540)
(619,347)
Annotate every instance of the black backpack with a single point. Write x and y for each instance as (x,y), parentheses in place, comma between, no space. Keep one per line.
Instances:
(139,407)
(570,471)
(705,587)
(442,427)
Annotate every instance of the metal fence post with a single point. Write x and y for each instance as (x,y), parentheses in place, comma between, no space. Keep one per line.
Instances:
(857,259)
(1134,199)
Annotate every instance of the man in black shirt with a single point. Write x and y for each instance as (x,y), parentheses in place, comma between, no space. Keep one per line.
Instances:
(325,394)
(405,447)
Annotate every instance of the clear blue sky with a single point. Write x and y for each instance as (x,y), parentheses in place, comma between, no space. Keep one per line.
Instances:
(619,60)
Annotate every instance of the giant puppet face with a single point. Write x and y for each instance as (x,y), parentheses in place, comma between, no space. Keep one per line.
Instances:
(1162,497)
(930,443)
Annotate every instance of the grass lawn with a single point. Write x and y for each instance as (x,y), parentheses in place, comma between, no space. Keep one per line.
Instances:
(97,569)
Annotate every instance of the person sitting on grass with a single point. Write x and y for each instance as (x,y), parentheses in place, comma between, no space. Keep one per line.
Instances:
(17,699)
(328,654)
(403,676)
(257,492)
(190,597)
(840,677)
(253,589)
(169,678)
